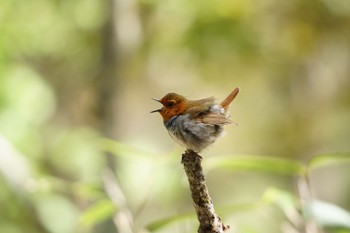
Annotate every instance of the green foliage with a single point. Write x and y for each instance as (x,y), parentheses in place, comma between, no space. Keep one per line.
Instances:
(159,224)
(99,211)
(256,163)
(326,215)
(73,73)
(328,159)
(56,213)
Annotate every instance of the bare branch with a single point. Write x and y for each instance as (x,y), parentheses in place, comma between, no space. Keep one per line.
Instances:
(209,221)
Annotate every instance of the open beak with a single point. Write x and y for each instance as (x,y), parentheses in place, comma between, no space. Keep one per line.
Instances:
(158,110)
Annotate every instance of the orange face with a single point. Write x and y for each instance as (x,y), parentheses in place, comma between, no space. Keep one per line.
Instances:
(173,104)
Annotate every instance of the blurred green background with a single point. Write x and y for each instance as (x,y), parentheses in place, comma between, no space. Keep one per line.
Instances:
(79,151)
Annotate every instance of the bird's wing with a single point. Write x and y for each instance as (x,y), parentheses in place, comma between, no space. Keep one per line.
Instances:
(201,111)
(214,118)
(198,108)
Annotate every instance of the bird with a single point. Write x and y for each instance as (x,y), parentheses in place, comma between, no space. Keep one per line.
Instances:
(195,124)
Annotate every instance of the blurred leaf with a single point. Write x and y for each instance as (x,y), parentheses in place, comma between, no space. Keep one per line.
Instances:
(99,211)
(238,208)
(328,214)
(256,163)
(161,223)
(20,123)
(24,81)
(122,149)
(325,214)
(328,159)
(56,212)
(11,159)
(283,199)
(78,150)
(90,191)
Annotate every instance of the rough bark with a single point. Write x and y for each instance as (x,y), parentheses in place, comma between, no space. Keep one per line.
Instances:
(209,221)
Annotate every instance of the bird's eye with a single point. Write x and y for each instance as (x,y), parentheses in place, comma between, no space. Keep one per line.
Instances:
(170,104)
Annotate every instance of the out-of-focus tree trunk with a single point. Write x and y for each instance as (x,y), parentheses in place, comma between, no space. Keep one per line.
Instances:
(106,86)
(107,80)
(121,37)
(121,34)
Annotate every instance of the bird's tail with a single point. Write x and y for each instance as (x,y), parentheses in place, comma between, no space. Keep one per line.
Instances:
(226,102)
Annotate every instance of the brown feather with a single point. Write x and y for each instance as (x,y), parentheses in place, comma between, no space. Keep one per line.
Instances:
(226,102)
(196,108)
(214,118)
